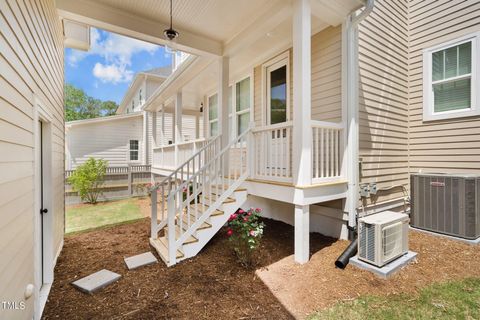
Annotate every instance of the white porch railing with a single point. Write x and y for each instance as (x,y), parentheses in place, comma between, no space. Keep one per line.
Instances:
(173,155)
(188,168)
(272,152)
(327,151)
(191,200)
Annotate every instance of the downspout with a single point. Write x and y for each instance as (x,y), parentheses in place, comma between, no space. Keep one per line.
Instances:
(351,24)
(352,74)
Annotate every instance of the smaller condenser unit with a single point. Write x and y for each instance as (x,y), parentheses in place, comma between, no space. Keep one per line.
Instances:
(382,237)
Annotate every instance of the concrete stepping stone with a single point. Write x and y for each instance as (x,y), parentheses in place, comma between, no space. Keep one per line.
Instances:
(96,281)
(140,260)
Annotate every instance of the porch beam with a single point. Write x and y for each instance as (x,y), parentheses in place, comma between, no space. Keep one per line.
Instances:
(118,21)
(302,135)
(302,233)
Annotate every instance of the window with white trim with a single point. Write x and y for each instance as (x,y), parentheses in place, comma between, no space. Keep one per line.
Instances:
(140,96)
(450,80)
(133,150)
(133,105)
(213,115)
(242,105)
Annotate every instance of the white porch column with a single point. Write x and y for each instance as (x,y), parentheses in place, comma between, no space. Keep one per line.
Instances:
(223,72)
(177,132)
(154,130)
(162,129)
(178,136)
(146,146)
(302,135)
(302,233)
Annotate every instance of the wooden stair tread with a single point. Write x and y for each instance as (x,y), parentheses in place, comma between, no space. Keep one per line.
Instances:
(201,209)
(204,225)
(226,187)
(214,198)
(190,239)
(161,246)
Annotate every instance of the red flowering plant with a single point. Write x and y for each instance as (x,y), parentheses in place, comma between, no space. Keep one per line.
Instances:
(244,233)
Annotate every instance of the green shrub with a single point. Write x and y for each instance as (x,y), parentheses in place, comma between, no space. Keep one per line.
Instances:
(244,232)
(88,179)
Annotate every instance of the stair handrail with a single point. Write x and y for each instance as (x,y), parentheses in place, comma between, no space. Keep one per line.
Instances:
(184,202)
(167,182)
(184,164)
(225,149)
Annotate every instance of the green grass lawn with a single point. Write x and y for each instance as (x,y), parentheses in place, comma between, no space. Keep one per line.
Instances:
(452,300)
(86,217)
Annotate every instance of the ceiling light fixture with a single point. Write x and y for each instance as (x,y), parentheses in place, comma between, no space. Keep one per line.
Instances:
(170,33)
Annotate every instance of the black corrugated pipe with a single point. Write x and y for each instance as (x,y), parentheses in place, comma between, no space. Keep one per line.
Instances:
(344,258)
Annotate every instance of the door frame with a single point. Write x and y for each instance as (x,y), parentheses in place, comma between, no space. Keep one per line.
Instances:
(43,245)
(277,62)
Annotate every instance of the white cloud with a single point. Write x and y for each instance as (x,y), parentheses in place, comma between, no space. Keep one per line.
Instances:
(112,73)
(117,52)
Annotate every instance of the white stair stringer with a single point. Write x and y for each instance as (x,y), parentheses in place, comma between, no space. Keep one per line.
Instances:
(205,235)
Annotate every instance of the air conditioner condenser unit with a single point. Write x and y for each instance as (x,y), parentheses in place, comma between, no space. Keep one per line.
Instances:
(382,237)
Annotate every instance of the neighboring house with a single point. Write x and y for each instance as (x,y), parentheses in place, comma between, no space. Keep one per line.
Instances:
(322,119)
(124,138)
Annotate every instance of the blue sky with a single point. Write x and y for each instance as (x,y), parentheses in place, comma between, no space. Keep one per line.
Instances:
(106,70)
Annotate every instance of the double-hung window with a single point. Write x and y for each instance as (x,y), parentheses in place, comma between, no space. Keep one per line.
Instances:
(133,150)
(242,105)
(450,80)
(239,103)
(213,115)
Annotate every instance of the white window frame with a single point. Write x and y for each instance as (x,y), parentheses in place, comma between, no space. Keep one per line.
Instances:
(129,150)
(275,63)
(428,105)
(208,114)
(234,103)
(140,96)
(232,112)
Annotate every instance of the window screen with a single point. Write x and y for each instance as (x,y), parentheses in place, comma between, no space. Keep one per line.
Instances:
(451,78)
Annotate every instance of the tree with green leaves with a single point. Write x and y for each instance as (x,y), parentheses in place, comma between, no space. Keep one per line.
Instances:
(79,105)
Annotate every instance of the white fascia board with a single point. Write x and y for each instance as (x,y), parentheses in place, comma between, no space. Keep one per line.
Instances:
(103,119)
(189,69)
(126,23)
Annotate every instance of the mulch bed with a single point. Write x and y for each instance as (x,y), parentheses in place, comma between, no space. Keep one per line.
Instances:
(213,285)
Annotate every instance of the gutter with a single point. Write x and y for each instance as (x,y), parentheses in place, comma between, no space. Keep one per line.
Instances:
(352,74)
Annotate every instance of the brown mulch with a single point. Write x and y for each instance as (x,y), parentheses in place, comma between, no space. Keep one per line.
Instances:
(214,286)
(304,289)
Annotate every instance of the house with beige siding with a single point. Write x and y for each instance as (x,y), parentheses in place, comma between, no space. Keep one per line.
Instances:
(303,104)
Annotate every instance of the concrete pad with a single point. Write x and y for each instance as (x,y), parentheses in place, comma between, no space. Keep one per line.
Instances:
(389,269)
(140,260)
(468,241)
(96,281)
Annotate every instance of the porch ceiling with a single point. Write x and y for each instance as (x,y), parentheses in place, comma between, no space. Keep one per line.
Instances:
(218,27)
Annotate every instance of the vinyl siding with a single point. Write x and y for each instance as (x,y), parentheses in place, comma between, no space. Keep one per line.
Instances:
(451,145)
(110,142)
(31,63)
(383,98)
(326,79)
(327,75)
